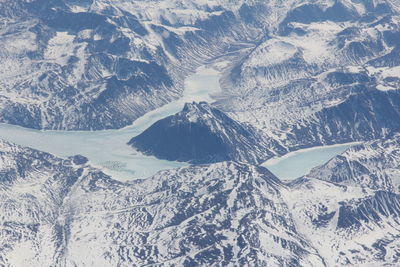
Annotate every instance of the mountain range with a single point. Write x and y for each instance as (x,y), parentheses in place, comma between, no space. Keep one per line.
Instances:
(294,74)
(65,212)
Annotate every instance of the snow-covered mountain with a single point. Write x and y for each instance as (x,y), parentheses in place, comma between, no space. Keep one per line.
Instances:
(66,213)
(295,74)
(202,134)
(347,225)
(349,208)
(221,214)
(33,189)
(101,64)
(374,165)
(81,65)
(328,74)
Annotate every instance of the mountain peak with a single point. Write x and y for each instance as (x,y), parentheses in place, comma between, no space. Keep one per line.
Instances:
(195,111)
(198,106)
(201,134)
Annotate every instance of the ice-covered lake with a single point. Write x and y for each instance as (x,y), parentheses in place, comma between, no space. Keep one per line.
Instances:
(108,149)
(299,163)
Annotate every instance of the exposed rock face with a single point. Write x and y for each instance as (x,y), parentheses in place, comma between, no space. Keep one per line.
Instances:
(375,209)
(33,189)
(201,134)
(299,75)
(91,65)
(352,203)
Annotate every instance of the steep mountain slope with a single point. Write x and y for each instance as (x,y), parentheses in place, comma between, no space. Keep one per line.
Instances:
(348,225)
(328,74)
(221,214)
(101,64)
(349,208)
(81,65)
(302,73)
(61,67)
(374,165)
(201,134)
(65,214)
(33,188)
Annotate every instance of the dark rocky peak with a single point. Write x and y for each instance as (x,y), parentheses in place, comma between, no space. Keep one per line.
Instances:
(201,134)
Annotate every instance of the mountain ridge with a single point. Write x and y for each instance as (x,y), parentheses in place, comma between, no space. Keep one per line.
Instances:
(201,134)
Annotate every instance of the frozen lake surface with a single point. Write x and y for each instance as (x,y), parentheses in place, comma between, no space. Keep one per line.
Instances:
(299,163)
(108,149)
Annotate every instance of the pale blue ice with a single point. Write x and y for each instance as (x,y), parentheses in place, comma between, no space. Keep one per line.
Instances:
(108,149)
(299,163)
